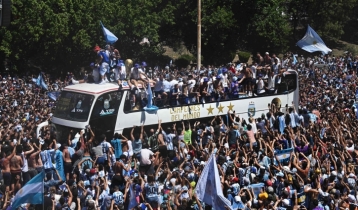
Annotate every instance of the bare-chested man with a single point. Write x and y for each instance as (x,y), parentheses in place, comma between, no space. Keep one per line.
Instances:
(6,168)
(33,161)
(16,164)
(67,161)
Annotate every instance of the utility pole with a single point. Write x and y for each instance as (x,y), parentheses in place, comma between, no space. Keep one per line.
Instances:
(199,37)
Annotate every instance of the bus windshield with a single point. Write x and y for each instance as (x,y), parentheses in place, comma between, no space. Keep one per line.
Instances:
(73,106)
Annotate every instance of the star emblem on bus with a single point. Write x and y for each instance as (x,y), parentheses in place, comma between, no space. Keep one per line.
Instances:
(231,107)
(210,110)
(220,108)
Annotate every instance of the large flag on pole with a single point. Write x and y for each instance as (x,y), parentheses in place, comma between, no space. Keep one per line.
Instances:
(109,36)
(312,42)
(209,189)
(32,192)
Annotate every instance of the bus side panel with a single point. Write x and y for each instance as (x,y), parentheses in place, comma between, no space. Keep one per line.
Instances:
(245,107)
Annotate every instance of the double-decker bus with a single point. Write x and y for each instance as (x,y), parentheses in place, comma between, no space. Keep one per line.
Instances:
(108,110)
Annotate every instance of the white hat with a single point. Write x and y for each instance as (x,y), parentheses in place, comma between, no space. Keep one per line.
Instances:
(286,202)
(334,173)
(267,53)
(237,198)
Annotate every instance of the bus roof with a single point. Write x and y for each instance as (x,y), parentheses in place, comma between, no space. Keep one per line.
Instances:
(92,88)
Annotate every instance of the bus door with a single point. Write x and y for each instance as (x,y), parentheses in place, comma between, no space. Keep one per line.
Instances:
(104,114)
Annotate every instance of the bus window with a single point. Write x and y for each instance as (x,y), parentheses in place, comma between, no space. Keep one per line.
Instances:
(73,106)
(104,114)
(107,104)
(288,84)
(134,101)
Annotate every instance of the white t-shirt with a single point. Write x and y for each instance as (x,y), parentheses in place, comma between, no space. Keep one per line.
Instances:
(145,156)
(130,148)
(253,69)
(173,82)
(260,86)
(192,83)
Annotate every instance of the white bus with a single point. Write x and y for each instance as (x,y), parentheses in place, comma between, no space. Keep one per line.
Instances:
(108,110)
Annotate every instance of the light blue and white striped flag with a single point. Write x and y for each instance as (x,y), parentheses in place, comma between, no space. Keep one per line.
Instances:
(41,82)
(208,189)
(32,192)
(256,188)
(312,42)
(284,154)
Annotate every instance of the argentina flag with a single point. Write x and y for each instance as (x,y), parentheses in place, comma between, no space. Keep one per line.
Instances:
(41,82)
(284,154)
(32,192)
(312,42)
(209,189)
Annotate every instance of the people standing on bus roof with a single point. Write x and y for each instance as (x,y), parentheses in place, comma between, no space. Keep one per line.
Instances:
(95,73)
(103,63)
(120,73)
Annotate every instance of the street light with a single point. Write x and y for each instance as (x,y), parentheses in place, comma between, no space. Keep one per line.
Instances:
(199,37)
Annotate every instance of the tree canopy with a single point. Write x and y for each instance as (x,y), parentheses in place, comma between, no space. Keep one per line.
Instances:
(59,35)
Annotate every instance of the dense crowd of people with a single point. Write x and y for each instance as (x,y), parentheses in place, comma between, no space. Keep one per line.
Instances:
(159,168)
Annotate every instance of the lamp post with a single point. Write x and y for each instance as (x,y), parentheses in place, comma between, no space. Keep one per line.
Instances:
(199,37)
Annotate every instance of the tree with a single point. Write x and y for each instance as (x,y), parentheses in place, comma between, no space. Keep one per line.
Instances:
(328,18)
(269,28)
(58,36)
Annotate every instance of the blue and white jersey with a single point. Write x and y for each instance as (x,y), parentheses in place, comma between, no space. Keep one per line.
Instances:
(151,190)
(118,197)
(46,157)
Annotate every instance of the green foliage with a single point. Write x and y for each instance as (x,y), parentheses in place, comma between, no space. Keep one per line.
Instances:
(244,56)
(351,49)
(328,18)
(184,60)
(58,35)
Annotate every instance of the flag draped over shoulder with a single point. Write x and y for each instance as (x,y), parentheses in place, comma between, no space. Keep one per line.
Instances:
(312,42)
(32,192)
(109,36)
(208,189)
(41,82)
